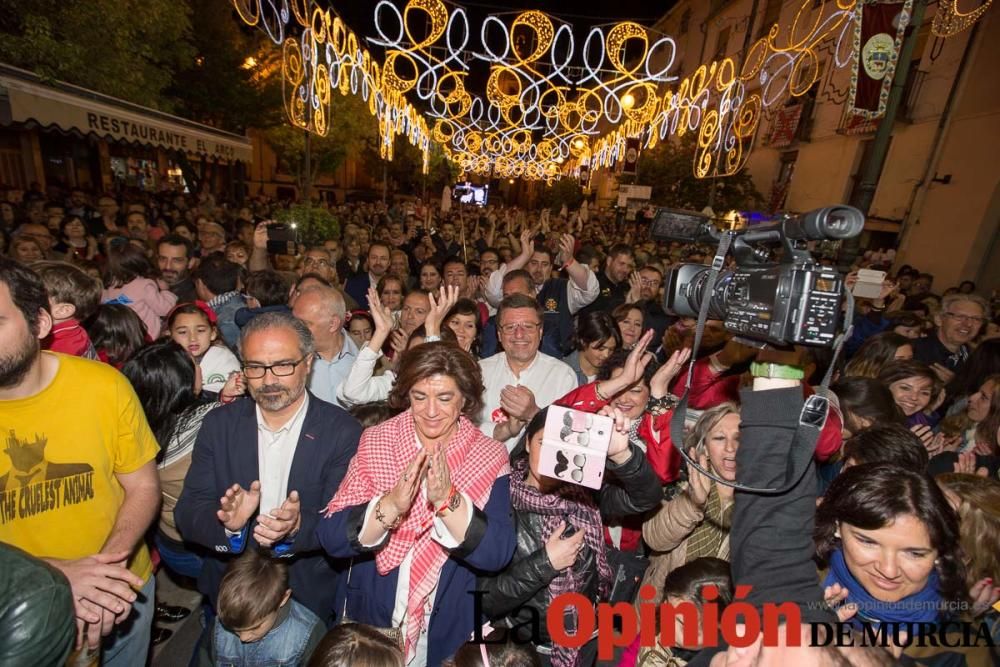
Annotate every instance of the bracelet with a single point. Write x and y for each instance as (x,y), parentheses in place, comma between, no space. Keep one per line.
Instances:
(779,371)
(452,503)
(657,406)
(571,262)
(431,339)
(381,518)
(597,390)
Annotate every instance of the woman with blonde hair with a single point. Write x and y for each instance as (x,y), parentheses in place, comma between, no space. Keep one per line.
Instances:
(977,501)
(696,521)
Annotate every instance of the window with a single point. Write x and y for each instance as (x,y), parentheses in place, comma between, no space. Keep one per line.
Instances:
(722,44)
(772,12)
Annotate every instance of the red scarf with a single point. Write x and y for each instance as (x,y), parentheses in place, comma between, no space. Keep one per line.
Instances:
(475,462)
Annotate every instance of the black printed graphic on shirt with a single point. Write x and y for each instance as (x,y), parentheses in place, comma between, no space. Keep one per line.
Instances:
(35,485)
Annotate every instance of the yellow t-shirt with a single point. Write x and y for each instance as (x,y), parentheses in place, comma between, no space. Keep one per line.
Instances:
(62,447)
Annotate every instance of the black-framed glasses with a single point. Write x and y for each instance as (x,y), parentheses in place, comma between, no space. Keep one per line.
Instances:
(562,463)
(280,369)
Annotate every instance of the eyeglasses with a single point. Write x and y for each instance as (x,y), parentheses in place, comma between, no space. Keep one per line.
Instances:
(526,327)
(562,463)
(971,319)
(316,262)
(280,369)
(648,283)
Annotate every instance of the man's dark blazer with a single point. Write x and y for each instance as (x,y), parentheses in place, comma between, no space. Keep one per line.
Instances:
(357,288)
(225,453)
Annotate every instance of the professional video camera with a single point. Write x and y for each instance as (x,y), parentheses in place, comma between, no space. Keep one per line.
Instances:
(794,300)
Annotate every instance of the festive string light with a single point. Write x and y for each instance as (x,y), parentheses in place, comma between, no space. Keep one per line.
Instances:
(539,117)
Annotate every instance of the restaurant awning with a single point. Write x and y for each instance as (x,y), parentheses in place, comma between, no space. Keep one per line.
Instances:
(25,99)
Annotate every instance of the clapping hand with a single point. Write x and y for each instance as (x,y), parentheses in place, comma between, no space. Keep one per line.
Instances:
(699,485)
(659,385)
(238,505)
(438,478)
(635,288)
(518,402)
(402,495)
(440,305)
(281,523)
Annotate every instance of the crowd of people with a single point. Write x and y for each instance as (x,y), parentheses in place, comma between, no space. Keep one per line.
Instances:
(341,447)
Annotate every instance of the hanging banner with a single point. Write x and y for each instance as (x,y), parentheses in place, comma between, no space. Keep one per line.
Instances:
(631,156)
(786,124)
(878,36)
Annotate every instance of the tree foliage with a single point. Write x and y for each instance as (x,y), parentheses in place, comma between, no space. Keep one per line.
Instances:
(123,48)
(667,168)
(405,171)
(564,191)
(352,127)
(217,86)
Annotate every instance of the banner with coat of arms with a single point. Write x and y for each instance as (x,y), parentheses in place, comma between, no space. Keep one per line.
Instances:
(879,28)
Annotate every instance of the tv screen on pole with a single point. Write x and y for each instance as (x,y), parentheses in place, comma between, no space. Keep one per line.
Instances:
(467,193)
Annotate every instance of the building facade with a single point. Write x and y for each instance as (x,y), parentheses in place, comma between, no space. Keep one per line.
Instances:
(938,196)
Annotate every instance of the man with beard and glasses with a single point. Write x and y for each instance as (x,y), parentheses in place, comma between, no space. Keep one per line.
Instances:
(239,496)
(175,257)
(78,481)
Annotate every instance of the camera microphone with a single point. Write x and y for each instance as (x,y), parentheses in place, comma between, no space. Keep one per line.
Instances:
(829,222)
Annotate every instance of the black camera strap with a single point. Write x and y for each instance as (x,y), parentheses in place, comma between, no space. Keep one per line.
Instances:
(814,411)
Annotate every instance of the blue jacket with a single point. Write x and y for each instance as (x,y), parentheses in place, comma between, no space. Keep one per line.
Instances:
(488,547)
(225,453)
(290,642)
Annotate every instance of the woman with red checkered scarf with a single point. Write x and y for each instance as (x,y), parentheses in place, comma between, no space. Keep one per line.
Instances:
(425,506)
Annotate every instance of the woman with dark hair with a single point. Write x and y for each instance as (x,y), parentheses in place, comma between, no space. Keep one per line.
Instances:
(131,279)
(979,427)
(463,319)
(116,332)
(876,352)
(891,542)
(560,545)
(75,242)
(168,383)
(392,290)
(630,318)
(863,402)
(360,327)
(424,507)
(915,389)
(596,337)
(430,277)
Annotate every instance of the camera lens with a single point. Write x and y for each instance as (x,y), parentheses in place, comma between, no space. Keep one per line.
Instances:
(718,298)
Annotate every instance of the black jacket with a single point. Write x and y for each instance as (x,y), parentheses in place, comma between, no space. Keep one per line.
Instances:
(631,488)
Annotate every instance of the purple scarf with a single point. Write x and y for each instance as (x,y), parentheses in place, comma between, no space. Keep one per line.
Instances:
(576,504)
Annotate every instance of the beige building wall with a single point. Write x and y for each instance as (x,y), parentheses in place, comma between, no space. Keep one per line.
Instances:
(950,229)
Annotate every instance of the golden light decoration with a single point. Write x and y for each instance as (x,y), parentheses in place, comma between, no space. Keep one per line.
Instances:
(539,116)
(949,20)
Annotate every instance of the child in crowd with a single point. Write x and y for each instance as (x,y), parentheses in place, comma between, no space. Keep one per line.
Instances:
(684,585)
(131,280)
(258,622)
(193,327)
(73,297)
(356,645)
(116,332)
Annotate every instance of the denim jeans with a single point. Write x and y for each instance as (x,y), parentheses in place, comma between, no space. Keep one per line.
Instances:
(128,644)
(180,561)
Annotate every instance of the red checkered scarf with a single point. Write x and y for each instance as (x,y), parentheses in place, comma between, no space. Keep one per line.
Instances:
(474,462)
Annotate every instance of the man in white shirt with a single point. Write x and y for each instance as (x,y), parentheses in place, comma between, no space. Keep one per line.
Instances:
(520,380)
(559,298)
(237,494)
(324,312)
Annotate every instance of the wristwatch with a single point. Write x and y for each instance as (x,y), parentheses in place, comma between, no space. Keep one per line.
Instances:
(777,371)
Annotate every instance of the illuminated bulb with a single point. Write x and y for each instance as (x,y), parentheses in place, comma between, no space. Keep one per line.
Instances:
(628,101)
(250,62)
(511,181)
(578,144)
(560,159)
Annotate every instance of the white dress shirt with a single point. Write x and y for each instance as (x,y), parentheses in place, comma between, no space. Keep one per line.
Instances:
(361,384)
(441,535)
(275,451)
(327,376)
(576,298)
(548,378)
